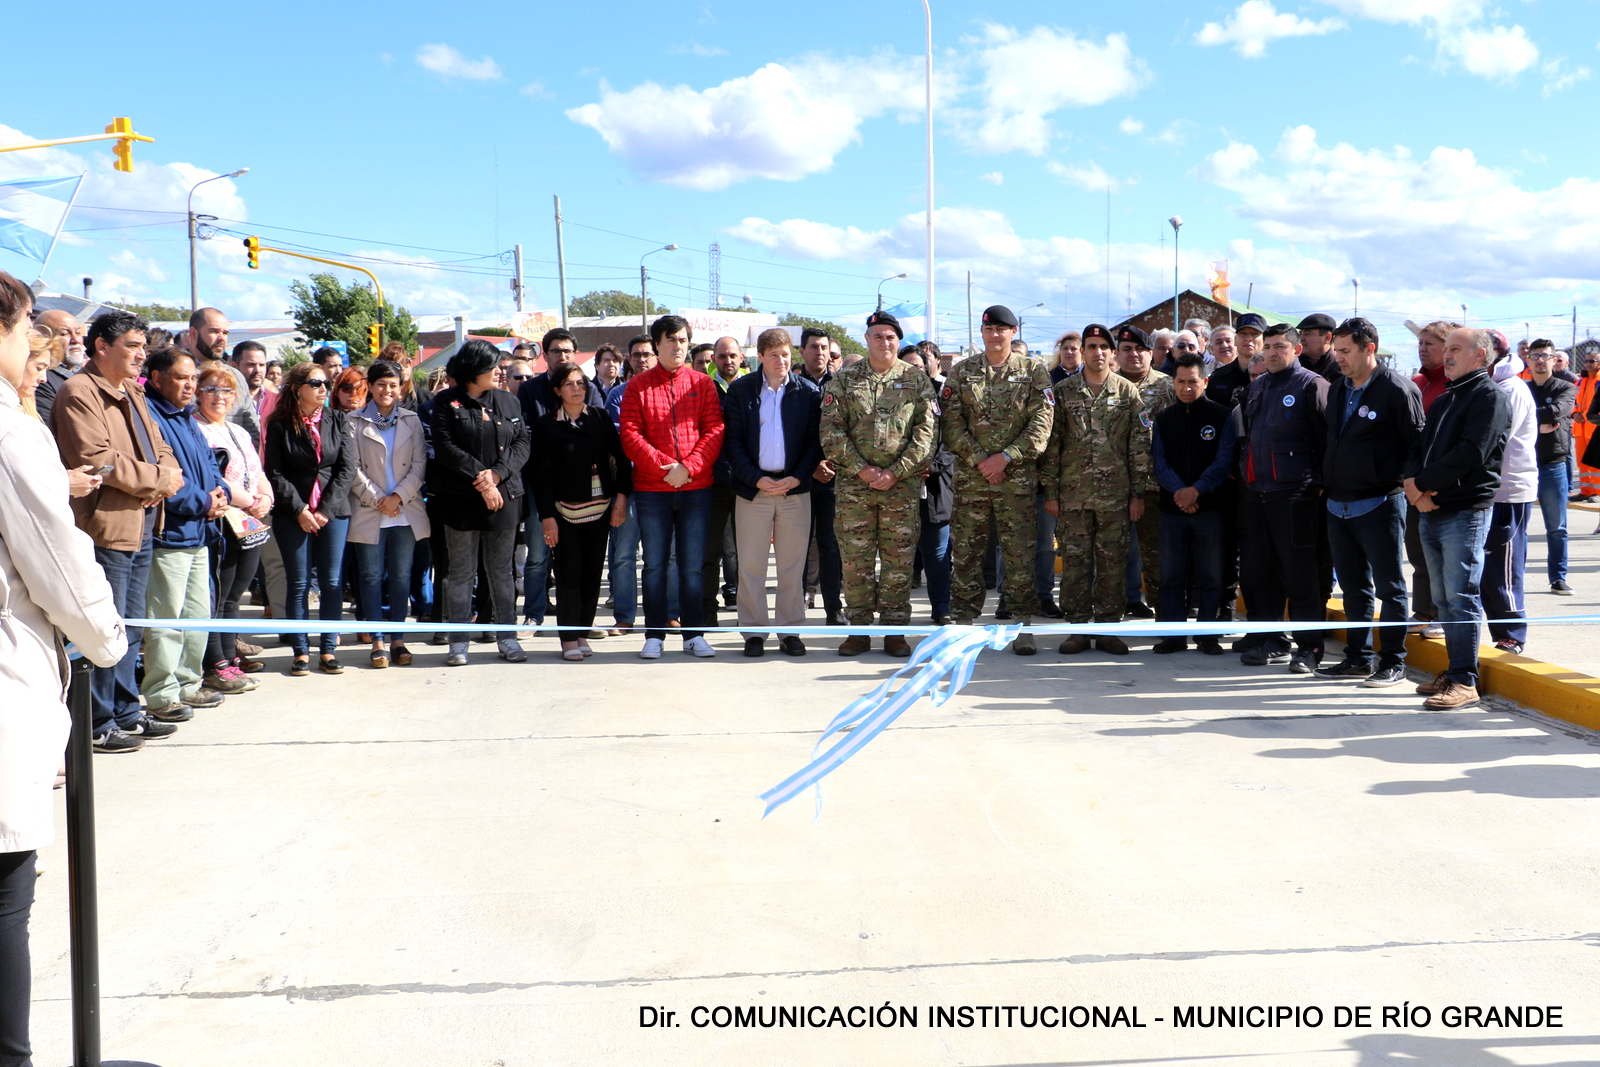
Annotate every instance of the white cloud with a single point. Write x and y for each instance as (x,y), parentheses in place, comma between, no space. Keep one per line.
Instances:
(779,122)
(1558,79)
(536,91)
(994,177)
(446,62)
(1445,222)
(1028,76)
(1091,176)
(1256,24)
(1498,53)
(695,48)
(1131,126)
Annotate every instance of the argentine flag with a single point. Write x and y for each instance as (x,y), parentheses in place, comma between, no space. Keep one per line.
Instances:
(32,211)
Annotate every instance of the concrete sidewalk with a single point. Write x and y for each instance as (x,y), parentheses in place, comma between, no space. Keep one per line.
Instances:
(500,865)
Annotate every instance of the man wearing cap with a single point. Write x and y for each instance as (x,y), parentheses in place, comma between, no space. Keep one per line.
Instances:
(1156,394)
(996,419)
(1285,529)
(1316,342)
(1230,376)
(879,421)
(1094,475)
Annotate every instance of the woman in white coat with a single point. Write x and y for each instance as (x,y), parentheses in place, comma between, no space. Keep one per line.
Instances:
(387,517)
(50,588)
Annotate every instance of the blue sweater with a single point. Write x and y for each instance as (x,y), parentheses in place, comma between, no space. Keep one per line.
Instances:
(187,525)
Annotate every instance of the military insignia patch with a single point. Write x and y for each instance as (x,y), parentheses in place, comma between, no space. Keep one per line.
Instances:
(827,399)
(1050,397)
(1208,433)
(946,394)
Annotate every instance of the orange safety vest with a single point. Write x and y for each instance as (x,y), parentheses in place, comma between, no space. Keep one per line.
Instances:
(1588,477)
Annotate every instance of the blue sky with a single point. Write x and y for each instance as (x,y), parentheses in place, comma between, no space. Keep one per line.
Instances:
(1434,149)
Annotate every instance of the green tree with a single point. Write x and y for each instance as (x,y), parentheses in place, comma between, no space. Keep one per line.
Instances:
(155,312)
(325,310)
(609,302)
(848,344)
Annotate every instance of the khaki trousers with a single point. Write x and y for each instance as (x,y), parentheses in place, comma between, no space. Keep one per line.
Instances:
(764,525)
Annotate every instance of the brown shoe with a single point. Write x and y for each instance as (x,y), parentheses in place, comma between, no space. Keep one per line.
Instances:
(855,644)
(896,646)
(1074,644)
(1112,644)
(1453,695)
(1428,689)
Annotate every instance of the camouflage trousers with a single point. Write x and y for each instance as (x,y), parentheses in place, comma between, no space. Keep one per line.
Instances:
(873,526)
(1148,530)
(1017,530)
(1094,564)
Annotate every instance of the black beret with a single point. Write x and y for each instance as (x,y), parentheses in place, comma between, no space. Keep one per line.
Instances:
(999,315)
(1250,321)
(1096,330)
(1134,334)
(1319,321)
(883,318)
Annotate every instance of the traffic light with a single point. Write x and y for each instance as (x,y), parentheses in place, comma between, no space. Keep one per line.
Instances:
(374,339)
(252,251)
(124,147)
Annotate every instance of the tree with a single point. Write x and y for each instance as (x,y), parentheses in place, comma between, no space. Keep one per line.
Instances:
(610,302)
(154,312)
(324,310)
(847,344)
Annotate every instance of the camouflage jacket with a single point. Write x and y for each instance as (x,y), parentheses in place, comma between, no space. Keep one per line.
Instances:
(997,409)
(1094,462)
(1155,396)
(872,420)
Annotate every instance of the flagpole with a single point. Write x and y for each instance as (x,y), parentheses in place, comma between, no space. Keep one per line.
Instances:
(59,226)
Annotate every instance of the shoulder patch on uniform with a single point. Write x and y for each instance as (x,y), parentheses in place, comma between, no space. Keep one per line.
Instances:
(827,398)
(934,404)
(946,394)
(1144,419)
(1050,397)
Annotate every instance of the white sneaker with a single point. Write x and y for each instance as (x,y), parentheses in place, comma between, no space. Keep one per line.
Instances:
(651,649)
(699,646)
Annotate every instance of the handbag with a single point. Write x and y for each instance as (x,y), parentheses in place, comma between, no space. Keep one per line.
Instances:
(248,530)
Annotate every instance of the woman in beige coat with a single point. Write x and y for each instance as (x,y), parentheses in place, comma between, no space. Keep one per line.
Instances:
(387,517)
(50,587)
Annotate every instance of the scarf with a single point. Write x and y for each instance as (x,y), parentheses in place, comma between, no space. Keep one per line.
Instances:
(370,413)
(313,425)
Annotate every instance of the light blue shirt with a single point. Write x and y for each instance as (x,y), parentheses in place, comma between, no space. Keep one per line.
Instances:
(773,453)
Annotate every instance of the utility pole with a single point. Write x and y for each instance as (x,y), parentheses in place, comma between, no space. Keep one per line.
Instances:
(516,283)
(969,312)
(715,278)
(561,263)
(1574,325)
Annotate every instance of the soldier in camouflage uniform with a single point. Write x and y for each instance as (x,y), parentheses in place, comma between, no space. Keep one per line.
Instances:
(1156,394)
(996,420)
(1093,473)
(878,426)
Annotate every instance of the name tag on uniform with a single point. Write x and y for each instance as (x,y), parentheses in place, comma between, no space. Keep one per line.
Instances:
(974,377)
(1023,378)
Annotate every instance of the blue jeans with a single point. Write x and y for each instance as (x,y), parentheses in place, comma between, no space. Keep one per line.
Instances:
(1453,543)
(325,550)
(1369,557)
(1554,485)
(671,521)
(1505,561)
(622,566)
(935,547)
(115,689)
(385,568)
(536,571)
(1191,545)
(422,579)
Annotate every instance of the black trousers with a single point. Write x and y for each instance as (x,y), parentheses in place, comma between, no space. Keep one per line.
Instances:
(722,497)
(16,974)
(1285,540)
(232,568)
(1421,584)
(579,560)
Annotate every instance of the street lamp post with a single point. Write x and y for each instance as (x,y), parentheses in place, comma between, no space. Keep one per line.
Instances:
(1177,224)
(1021,322)
(1355,285)
(644,284)
(882,284)
(194,283)
(928,89)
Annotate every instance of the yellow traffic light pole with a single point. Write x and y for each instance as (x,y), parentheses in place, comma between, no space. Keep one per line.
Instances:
(120,130)
(254,248)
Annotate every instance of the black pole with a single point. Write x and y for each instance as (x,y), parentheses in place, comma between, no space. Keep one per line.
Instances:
(82,888)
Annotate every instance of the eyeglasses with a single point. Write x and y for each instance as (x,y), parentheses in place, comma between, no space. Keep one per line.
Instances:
(316,383)
(1186,346)
(217,390)
(522,377)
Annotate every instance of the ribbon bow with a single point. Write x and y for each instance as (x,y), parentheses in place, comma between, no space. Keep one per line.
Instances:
(947,655)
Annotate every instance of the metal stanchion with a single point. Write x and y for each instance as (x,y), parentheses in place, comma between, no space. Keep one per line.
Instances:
(81,882)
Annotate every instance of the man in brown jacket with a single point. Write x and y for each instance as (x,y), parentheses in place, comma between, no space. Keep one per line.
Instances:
(100,418)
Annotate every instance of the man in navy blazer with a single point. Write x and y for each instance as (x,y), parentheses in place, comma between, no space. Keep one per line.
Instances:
(771,445)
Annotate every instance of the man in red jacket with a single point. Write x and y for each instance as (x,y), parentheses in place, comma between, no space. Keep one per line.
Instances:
(671,429)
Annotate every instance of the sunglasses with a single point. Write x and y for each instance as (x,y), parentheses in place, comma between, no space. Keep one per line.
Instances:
(348,387)
(522,377)
(316,383)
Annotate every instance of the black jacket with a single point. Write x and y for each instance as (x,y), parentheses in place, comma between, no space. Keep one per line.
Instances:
(1553,401)
(290,460)
(1367,456)
(567,457)
(470,436)
(1228,383)
(1284,431)
(1458,455)
(1194,445)
(741,442)
(1323,367)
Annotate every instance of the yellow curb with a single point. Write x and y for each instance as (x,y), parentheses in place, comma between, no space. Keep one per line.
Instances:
(1550,689)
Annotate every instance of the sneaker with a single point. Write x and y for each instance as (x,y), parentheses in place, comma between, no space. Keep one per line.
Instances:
(1506,644)
(1418,624)
(1384,677)
(176,711)
(510,651)
(220,682)
(458,654)
(1453,695)
(115,740)
(1023,645)
(1247,642)
(699,647)
(651,649)
(1209,645)
(1168,645)
(238,674)
(149,729)
(1265,656)
(755,647)
(1303,662)
(1345,668)
(1434,630)
(1560,588)
(1138,609)
(1049,608)
(204,697)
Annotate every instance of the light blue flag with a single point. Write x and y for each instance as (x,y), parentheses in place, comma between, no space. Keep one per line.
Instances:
(32,211)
